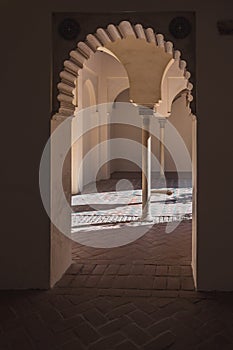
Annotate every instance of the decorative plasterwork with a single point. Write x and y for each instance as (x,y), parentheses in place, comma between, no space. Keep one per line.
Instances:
(118,39)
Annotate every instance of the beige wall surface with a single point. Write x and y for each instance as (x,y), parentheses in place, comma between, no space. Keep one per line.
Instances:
(180,118)
(100,81)
(25,114)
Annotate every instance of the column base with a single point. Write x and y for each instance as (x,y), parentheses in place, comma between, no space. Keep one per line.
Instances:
(147,218)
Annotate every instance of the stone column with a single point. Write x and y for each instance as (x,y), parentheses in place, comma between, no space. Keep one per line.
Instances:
(162,122)
(146,114)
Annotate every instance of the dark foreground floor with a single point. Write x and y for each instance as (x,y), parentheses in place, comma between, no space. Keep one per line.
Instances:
(135,297)
(73,318)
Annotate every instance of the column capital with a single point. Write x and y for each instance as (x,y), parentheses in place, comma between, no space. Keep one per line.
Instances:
(145,111)
(162,122)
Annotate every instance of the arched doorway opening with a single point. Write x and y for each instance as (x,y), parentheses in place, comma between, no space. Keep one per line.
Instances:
(169,65)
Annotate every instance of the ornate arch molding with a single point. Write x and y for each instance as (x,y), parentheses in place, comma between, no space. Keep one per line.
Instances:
(104,38)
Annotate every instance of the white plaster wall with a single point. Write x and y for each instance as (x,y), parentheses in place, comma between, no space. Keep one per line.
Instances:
(180,118)
(127,132)
(100,81)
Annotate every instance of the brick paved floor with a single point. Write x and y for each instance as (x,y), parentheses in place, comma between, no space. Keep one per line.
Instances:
(66,318)
(156,261)
(138,296)
(156,246)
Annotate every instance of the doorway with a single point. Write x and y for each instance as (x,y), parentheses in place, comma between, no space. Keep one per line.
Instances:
(108,178)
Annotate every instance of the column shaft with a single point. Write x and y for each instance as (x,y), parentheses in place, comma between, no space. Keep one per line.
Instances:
(146,169)
(161,145)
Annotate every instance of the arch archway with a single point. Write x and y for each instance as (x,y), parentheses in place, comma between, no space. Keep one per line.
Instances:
(115,40)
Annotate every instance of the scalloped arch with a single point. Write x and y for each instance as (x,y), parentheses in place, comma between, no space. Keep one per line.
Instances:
(103,38)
